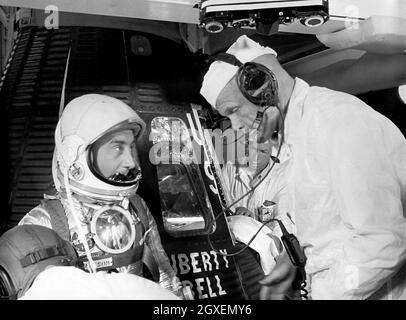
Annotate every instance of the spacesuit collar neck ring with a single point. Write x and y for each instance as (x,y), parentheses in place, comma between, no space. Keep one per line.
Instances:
(111,225)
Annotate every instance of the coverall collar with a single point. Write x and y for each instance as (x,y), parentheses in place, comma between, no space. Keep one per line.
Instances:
(295,111)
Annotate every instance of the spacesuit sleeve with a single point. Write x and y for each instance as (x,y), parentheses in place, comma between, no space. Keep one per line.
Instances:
(168,278)
(38,216)
(366,188)
(153,240)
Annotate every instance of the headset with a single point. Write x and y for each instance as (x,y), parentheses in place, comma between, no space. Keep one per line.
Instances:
(259,85)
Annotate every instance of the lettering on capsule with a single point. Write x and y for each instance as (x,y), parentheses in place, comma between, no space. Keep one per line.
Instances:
(198,262)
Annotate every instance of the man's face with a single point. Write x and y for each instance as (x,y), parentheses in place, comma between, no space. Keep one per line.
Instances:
(117,153)
(259,155)
(263,155)
(242,113)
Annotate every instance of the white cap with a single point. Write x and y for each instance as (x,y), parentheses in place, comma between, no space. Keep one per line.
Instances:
(220,73)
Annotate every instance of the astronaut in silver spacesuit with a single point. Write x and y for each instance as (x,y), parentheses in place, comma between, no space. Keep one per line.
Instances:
(96,174)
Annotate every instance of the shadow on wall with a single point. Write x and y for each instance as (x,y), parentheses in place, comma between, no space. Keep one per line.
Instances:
(388,103)
(167,63)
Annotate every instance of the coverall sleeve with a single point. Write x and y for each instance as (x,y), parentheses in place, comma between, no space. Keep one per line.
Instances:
(367,190)
(228,172)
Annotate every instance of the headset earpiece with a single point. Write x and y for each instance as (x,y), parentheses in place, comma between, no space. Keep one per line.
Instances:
(256,82)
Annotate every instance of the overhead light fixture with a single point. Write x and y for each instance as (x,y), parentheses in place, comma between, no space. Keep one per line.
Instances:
(140,46)
(402,93)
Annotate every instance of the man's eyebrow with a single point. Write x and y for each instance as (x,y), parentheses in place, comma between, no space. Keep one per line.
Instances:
(120,140)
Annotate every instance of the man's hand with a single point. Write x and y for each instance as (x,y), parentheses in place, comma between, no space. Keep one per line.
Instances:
(242,211)
(278,284)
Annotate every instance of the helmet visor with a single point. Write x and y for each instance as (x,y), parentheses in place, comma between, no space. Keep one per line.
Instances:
(256,83)
(113,157)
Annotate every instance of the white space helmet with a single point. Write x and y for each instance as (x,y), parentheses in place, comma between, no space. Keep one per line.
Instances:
(85,122)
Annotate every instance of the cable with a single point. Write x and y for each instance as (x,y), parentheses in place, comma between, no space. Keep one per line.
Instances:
(305,293)
(91,264)
(298,259)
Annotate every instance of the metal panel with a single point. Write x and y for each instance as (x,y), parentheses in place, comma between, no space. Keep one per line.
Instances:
(342,12)
(30,100)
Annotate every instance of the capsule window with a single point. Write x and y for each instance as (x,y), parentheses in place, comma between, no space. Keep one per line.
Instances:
(186,209)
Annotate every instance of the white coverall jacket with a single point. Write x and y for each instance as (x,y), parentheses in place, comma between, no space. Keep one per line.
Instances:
(239,181)
(347,190)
